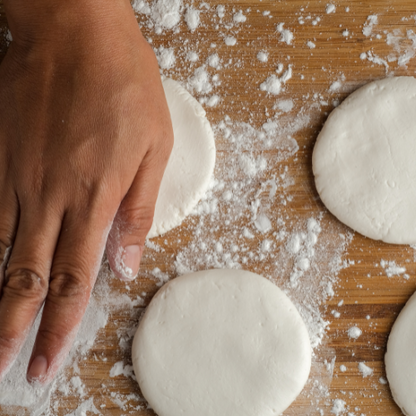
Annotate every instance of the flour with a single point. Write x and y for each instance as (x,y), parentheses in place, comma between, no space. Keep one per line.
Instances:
(286,35)
(392,269)
(338,407)
(354,332)
(192,56)
(192,18)
(284,105)
(365,370)
(335,86)
(165,57)
(330,8)
(239,17)
(263,56)
(120,368)
(214,61)
(220,11)
(403,51)
(272,85)
(230,40)
(200,82)
(372,20)
(166,13)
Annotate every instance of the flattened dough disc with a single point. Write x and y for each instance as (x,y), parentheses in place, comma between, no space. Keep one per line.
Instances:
(400,359)
(221,342)
(364,161)
(191,163)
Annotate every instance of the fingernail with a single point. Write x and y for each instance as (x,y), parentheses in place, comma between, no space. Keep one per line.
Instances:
(131,262)
(38,368)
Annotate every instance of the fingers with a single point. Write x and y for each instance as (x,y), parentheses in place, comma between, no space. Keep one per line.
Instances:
(135,216)
(76,263)
(26,280)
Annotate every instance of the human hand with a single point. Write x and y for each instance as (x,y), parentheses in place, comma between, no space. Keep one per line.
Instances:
(85,136)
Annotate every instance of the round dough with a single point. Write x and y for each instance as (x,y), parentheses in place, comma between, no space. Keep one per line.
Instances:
(191,164)
(400,359)
(221,342)
(364,161)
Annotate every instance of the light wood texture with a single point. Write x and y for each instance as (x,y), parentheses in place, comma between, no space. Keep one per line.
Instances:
(377,296)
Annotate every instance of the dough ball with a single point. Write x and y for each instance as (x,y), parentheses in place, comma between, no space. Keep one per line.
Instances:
(191,164)
(400,359)
(364,161)
(221,342)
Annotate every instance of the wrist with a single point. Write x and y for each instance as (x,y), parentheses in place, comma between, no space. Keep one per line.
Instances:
(50,21)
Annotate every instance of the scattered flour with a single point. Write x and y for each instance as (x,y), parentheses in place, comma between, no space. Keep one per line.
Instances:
(200,81)
(272,85)
(192,18)
(239,17)
(192,56)
(372,20)
(263,56)
(220,11)
(330,8)
(392,269)
(365,370)
(286,35)
(354,332)
(335,86)
(120,369)
(214,61)
(230,40)
(165,57)
(284,105)
(338,407)
(166,14)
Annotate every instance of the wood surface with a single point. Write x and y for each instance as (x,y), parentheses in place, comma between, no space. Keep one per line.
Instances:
(378,296)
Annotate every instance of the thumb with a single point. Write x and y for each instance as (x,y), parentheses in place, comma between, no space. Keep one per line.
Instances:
(133,221)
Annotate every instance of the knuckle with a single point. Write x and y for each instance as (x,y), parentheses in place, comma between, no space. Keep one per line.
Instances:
(8,340)
(64,285)
(24,283)
(51,336)
(139,220)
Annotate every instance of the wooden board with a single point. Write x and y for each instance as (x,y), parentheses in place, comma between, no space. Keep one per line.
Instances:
(363,287)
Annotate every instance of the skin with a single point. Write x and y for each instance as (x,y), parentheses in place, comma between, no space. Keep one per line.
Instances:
(85,136)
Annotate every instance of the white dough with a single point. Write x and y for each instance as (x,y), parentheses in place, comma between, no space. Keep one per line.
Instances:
(364,161)
(221,342)
(191,164)
(400,359)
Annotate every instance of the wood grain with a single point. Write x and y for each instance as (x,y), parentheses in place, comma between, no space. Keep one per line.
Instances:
(363,288)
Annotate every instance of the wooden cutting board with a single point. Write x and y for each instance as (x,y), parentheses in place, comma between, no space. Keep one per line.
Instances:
(363,286)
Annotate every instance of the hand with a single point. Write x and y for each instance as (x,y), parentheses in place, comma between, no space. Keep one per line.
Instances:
(85,136)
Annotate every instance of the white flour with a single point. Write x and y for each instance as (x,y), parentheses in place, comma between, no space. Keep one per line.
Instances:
(354,332)
(365,370)
(392,269)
